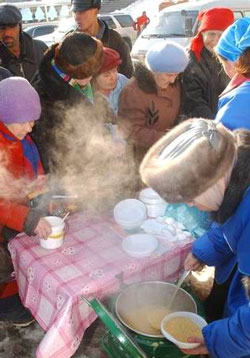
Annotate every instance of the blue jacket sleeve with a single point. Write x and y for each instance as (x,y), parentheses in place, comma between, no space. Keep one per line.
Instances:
(212,248)
(229,337)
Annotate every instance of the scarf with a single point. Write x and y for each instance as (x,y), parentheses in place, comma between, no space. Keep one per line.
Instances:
(86,91)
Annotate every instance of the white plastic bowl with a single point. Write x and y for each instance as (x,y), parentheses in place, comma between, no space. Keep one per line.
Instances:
(155,205)
(139,245)
(55,240)
(201,323)
(130,213)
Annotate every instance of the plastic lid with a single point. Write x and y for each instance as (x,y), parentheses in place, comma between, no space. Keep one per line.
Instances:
(129,346)
(150,196)
(139,245)
(129,211)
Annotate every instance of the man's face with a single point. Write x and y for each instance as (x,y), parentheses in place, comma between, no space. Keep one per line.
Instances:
(85,19)
(9,35)
(20,130)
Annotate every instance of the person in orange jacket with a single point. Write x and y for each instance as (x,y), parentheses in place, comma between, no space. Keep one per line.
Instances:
(141,22)
(20,164)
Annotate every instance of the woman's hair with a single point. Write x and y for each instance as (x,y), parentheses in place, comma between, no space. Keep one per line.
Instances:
(242,65)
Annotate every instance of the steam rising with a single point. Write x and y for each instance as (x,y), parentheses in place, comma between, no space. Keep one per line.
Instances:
(88,163)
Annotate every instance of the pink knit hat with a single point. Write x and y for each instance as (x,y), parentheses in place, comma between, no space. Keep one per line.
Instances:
(19,101)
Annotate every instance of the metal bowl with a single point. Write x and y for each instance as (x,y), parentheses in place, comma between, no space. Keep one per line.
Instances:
(150,294)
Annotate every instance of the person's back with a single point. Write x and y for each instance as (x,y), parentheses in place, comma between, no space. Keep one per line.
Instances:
(19,53)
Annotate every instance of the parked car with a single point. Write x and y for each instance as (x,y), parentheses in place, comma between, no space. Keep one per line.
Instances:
(40,30)
(122,23)
(179,23)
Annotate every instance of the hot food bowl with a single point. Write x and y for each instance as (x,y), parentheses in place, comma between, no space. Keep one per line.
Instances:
(142,306)
(178,326)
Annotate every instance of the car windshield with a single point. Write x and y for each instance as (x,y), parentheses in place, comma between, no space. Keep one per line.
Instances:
(66,25)
(169,24)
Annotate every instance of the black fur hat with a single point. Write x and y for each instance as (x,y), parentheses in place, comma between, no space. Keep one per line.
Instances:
(79,55)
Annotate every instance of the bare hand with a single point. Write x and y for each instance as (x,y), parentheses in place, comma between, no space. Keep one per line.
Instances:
(43,228)
(201,349)
(191,263)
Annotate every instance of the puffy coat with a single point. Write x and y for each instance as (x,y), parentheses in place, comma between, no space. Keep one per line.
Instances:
(234,104)
(145,113)
(203,82)
(227,246)
(27,63)
(15,215)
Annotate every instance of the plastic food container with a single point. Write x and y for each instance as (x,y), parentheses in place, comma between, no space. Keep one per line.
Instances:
(198,320)
(155,205)
(130,213)
(139,245)
(55,240)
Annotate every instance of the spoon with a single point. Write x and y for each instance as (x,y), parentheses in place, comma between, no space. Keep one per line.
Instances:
(65,216)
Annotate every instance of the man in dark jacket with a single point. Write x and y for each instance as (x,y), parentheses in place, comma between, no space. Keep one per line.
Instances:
(19,53)
(4,73)
(86,18)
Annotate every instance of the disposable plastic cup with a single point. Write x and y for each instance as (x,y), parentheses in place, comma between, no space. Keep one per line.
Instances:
(56,238)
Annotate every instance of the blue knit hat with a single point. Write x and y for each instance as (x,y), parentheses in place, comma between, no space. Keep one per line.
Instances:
(167,57)
(235,40)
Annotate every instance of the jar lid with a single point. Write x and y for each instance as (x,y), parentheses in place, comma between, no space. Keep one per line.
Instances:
(149,196)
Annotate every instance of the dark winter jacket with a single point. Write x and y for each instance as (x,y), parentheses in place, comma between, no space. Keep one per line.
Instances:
(28,62)
(145,112)
(203,82)
(56,96)
(112,39)
(4,73)
(227,247)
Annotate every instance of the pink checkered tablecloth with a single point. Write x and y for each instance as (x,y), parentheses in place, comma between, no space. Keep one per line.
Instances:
(91,263)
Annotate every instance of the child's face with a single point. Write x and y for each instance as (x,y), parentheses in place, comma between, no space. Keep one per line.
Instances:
(20,130)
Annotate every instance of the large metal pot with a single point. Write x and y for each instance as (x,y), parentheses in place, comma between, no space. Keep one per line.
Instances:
(150,294)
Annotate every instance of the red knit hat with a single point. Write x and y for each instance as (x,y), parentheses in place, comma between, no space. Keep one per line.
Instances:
(111,60)
(217,18)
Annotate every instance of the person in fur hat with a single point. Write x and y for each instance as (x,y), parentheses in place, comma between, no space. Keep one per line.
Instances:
(150,103)
(205,165)
(233,51)
(63,81)
(204,78)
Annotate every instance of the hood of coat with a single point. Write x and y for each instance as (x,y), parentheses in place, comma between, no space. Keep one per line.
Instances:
(240,178)
(50,85)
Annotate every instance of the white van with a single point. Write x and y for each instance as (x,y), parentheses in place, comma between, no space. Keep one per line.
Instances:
(179,23)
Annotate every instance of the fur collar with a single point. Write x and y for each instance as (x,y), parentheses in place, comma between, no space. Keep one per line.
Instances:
(240,179)
(145,79)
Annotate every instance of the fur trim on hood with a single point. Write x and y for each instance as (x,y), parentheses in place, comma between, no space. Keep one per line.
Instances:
(240,178)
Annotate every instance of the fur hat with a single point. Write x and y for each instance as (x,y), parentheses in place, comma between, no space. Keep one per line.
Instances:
(111,60)
(187,161)
(79,55)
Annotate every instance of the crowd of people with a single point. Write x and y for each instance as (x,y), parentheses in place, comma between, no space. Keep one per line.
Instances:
(184,116)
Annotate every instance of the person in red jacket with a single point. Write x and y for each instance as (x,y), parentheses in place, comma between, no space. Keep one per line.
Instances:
(141,22)
(19,164)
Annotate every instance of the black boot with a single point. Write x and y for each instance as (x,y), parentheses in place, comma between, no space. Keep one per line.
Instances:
(13,311)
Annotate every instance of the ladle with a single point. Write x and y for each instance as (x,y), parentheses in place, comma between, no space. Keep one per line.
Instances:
(155,319)
(178,286)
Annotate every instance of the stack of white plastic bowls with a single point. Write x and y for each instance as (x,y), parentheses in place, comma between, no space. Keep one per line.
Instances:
(155,205)
(130,214)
